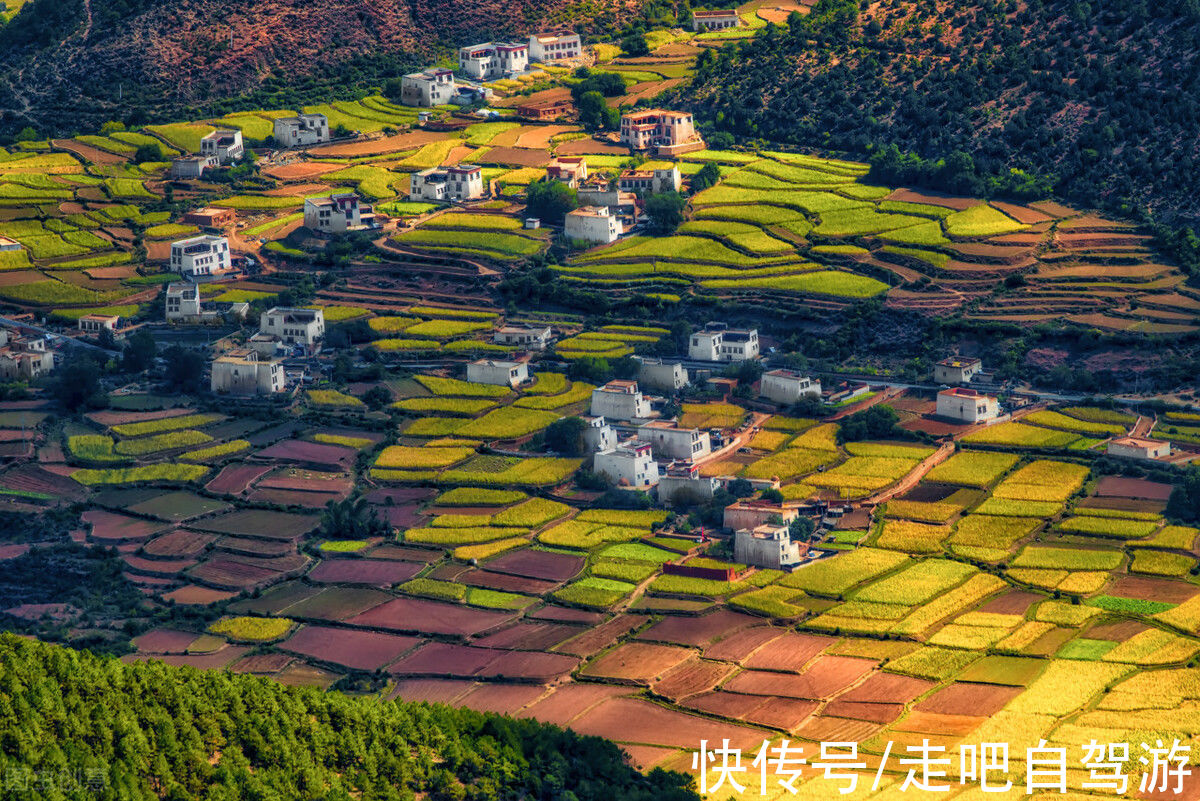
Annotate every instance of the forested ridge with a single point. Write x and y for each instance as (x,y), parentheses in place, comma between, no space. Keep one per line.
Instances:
(151,731)
(1098,100)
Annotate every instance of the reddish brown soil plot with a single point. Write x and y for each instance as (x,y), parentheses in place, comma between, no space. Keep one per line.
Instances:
(963,698)
(431,617)
(824,678)
(740,645)
(568,701)
(1133,488)
(1153,589)
(337,603)
(543,565)
(213,661)
(250,547)
(192,595)
(404,554)
(464,661)
(180,542)
(321,456)
(276,599)
(778,713)
(388,144)
(506,582)
(235,479)
(372,572)
(359,650)
(857,710)
(164,641)
(691,677)
(302,171)
(234,573)
(503,699)
(698,630)
(564,614)
(637,721)
(602,636)
(307,499)
(885,688)
(529,636)
(112,528)
(1014,602)
(434,691)
(789,652)
(262,664)
(931,723)
(933,198)
(262,523)
(637,662)
(108,418)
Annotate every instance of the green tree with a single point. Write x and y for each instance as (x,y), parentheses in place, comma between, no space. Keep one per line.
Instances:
(706,177)
(377,397)
(185,368)
(594,113)
(565,436)
(352,519)
(801,529)
(635,45)
(878,422)
(139,353)
(148,152)
(77,380)
(549,201)
(665,211)
(1184,503)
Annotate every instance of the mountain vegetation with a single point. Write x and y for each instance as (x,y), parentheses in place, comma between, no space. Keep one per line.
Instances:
(151,731)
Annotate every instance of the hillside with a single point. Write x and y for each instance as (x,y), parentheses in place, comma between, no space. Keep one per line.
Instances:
(1102,97)
(152,731)
(81,62)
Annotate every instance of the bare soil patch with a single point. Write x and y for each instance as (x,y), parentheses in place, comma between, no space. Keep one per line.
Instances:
(111,528)
(434,691)
(1153,589)
(337,603)
(741,644)
(964,698)
(922,722)
(164,641)
(597,639)
(262,664)
(636,721)
(789,652)
(503,699)
(637,662)
(301,170)
(934,198)
(293,190)
(359,650)
(537,564)
(528,636)
(858,710)
(193,595)
(824,679)
(514,156)
(1014,602)
(1133,488)
(371,572)
(430,617)
(568,701)
(885,688)
(387,144)
(698,631)
(691,677)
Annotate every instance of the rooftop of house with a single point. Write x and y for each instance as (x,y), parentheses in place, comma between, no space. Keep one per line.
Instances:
(1139,442)
(242,356)
(766,532)
(180,288)
(503,365)
(622,385)
(654,113)
(203,239)
(523,329)
(295,315)
(5,241)
(715,14)
(784,373)
(101,318)
(590,211)
(962,392)
(959,361)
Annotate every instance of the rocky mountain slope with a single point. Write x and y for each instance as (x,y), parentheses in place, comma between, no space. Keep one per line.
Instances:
(67,64)
(1101,97)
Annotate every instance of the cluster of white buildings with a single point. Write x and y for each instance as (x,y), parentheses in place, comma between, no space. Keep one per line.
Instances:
(258,368)
(442,184)
(182,304)
(23,357)
(221,148)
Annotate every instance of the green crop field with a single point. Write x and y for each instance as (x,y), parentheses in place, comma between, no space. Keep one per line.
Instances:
(982,220)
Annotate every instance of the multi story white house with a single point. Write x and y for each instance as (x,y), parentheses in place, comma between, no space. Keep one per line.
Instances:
(244,372)
(201,256)
(301,130)
(592,224)
(630,464)
(956,370)
(223,145)
(654,181)
(491,60)
(620,400)
(1139,448)
(428,88)
(523,337)
(571,170)
(337,214)
(461,183)
(599,435)
(685,479)
(666,133)
(189,168)
(768,546)
(23,358)
(660,374)
(967,405)
(752,514)
(293,326)
(788,386)
(554,46)
(182,302)
(716,20)
(670,442)
(717,343)
(503,374)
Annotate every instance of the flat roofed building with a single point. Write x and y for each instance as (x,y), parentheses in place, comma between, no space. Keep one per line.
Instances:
(301,130)
(630,464)
(620,400)
(956,370)
(592,224)
(182,301)
(752,514)
(491,60)
(571,170)
(967,405)
(211,217)
(461,183)
(718,343)
(768,546)
(224,145)
(599,435)
(554,46)
(671,442)
(9,245)
(666,133)
(428,88)
(715,20)
(529,338)
(339,213)
(660,374)
(1139,448)
(499,373)
(788,386)
(201,256)
(294,326)
(545,111)
(682,481)
(652,182)
(244,372)
(190,168)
